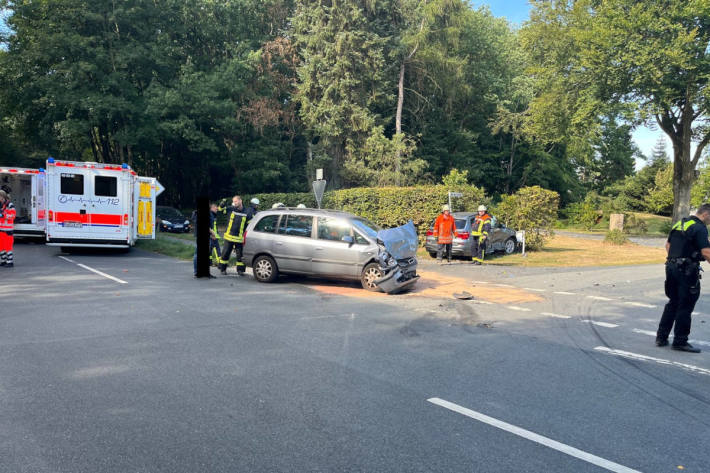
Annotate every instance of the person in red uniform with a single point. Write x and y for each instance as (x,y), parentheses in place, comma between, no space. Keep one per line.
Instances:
(7,222)
(444,232)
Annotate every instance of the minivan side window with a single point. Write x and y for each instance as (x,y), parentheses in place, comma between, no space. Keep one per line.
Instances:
(267,224)
(296,225)
(333,229)
(72,183)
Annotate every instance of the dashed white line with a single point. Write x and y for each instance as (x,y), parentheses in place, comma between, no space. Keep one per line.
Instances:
(640,304)
(534,289)
(504,285)
(637,356)
(480,282)
(121,281)
(599,298)
(519,309)
(653,334)
(564,293)
(601,324)
(559,316)
(532,436)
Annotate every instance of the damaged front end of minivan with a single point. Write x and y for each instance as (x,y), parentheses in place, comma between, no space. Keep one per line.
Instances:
(397,258)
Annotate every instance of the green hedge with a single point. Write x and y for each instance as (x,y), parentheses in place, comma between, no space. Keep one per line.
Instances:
(532,209)
(386,206)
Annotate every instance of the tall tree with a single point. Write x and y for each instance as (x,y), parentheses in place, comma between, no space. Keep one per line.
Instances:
(650,57)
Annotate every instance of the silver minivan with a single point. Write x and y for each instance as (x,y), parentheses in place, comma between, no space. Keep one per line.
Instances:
(312,242)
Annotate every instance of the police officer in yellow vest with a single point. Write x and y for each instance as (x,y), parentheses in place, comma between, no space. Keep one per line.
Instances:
(479,230)
(687,246)
(234,235)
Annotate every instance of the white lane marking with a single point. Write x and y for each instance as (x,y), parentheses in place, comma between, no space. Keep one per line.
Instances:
(351,316)
(503,285)
(559,316)
(534,289)
(653,334)
(480,282)
(601,324)
(565,293)
(532,436)
(94,270)
(636,356)
(599,298)
(519,309)
(640,304)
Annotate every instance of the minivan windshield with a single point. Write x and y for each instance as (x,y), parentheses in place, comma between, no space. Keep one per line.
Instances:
(366,227)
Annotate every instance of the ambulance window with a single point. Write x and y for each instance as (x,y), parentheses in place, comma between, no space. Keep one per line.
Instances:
(72,184)
(105,186)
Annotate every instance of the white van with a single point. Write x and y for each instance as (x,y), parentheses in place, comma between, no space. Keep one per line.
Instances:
(98,205)
(27,189)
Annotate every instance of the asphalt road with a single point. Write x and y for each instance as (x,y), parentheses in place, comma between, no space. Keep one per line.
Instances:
(140,368)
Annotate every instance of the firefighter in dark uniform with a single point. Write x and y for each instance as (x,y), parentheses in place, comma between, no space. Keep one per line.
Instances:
(252,209)
(234,235)
(480,229)
(687,246)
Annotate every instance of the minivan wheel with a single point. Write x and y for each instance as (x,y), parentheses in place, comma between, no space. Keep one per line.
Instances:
(432,254)
(370,274)
(264,268)
(509,246)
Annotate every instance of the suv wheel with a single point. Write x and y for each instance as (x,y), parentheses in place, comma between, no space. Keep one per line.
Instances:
(509,247)
(264,268)
(371,273)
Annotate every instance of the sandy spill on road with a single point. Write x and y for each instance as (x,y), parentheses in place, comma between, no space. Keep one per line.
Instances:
(436,285)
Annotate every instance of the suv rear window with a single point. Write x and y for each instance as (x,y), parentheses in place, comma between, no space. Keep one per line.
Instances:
(267,224)
(296,225)
(459,222)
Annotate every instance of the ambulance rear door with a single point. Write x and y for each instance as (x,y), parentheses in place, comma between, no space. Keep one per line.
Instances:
(109,203)
(39,203)
(67,202)
(146,191)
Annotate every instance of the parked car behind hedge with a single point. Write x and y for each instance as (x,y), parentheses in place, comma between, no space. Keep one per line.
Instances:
(501,238)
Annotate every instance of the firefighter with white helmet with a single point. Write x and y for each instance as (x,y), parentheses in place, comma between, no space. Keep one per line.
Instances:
(481,227)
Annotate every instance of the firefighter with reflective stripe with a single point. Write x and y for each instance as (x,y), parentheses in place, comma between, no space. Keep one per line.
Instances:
(444,232)
(687,246)
(234,235)
(480,229)
(7,222)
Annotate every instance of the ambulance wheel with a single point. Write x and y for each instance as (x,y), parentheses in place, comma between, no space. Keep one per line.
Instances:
(371,273)
(265,269)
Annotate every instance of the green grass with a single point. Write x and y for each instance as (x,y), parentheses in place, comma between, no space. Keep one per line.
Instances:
(656,225)
(166,245)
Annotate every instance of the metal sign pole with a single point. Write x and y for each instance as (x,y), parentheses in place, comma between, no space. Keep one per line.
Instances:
(319,186)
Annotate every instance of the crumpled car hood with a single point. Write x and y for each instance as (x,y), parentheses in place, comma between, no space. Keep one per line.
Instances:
(400,242)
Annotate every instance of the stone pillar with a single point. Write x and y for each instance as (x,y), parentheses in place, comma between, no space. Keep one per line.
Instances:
(616,222)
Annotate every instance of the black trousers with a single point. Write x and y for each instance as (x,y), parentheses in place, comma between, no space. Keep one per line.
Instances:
(227,252)
(479,249)
(444,248)
(683,290)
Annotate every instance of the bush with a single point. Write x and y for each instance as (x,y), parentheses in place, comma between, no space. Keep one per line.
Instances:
(615,237)
(394,206)
(532,209)
(584,214)
(386,206)
(633,224)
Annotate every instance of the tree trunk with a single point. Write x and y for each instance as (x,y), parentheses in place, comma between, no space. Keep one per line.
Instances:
(683,178)
(398,122)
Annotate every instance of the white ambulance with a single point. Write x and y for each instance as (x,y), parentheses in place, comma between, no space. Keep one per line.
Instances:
(27,188)
(98,205)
